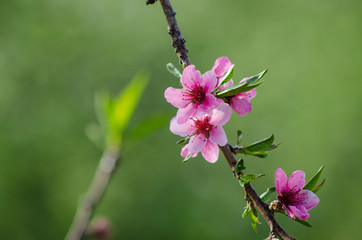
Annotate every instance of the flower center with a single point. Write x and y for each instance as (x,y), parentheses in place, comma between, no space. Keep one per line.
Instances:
(195,95)
(291,197)
(203,126)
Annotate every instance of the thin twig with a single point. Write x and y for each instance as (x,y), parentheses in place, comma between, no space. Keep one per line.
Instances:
(95,192)
(178,42)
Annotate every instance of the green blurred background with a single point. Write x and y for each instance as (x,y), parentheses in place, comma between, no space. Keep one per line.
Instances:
(54,56)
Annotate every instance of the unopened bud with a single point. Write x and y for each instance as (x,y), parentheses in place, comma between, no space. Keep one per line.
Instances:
(100,228)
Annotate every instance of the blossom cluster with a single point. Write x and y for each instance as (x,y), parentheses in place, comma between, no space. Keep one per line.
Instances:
(201,114)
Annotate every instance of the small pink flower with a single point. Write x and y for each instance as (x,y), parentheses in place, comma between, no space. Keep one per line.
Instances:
(205,132)
(195,95)
(295,200)
(240,102)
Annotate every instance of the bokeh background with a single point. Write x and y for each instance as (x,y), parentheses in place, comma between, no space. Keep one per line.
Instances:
(55,55)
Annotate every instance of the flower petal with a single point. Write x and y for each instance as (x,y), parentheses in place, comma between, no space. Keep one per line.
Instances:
(190,77)
(182,130)
(280,181)
(296,181)
(289,211)
(221,65)
(197,142)
(220,115)
(208,81)
(251,94)
(240,104)
(209,102)
(184,114)
(218,136)
(185,152)
(210,152)
(300,212)
(310,199)
(175,97)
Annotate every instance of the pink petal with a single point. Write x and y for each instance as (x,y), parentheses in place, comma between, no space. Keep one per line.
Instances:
(310,199)
(289,211)
(218,136)
(209,81)
(221,65)
(296,180)
(280,181)
(190,77)
(197,142)
(251,94)
(182,130)
(209,102)
(184,114)
(300,212)
(240,104)
(210,152)
(175,97)
(185,152)
(220,115)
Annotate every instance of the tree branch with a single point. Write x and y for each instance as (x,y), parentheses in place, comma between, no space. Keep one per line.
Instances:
(178,42)
(95,192)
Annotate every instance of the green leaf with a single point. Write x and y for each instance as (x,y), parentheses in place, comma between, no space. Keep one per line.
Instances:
(254,219)
(248,177)
(94,133)
(266,195)
(315,189)
(149,125)
(186,158)
(260,145)
(227,76)
(183,141)
(121,109)
(246,212)
(314,180)
(172,69)
(245,86)
(303,222)
(239,134)
(232,90)
(239,167)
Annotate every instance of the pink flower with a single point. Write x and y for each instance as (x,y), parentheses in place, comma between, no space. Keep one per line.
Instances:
(240,102)
(205,132)
(295,200)
(195,95)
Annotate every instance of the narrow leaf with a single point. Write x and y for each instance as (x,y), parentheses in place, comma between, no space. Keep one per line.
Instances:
(303,222)
(148,126)
(183,141)
(254,219)
(266,195)
(227,76)
(239,167)
(172,69)
(260,145)
(232,90)
(245,86)
(186,158)
(249,177)
(120,110)
(239,135)
(315,189)
(246,212)
(314,180)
